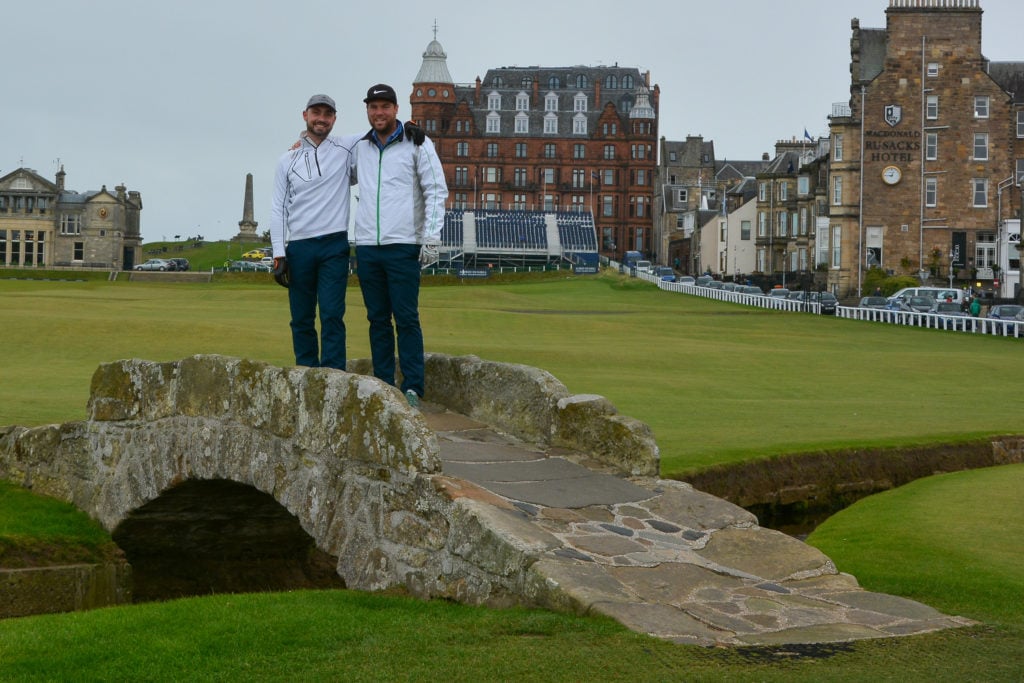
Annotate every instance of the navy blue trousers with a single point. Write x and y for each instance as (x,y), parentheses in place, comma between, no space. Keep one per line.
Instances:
(389,277)
(318,268)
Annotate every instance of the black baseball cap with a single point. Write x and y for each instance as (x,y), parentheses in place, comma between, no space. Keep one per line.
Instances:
(381,92)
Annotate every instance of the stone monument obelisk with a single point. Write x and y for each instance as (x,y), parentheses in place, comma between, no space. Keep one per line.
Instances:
(247,226)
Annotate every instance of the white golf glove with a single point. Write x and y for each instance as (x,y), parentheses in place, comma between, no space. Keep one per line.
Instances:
(428,252)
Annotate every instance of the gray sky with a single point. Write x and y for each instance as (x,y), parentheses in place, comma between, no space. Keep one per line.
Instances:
(179,100)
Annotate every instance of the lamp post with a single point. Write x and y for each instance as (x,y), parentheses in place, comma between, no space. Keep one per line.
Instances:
(952,255)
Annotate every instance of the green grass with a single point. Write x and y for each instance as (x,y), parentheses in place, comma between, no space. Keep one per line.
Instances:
(38,530)
(962,531)
(718,383)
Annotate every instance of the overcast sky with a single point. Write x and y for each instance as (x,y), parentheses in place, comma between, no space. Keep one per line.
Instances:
(179,100)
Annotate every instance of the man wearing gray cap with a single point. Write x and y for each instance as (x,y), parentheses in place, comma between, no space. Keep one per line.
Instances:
(309,232)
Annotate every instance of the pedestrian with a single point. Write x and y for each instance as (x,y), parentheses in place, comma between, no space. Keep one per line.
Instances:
(975,307)
(309,232)
(398,224)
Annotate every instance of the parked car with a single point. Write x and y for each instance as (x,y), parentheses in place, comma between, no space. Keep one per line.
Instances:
(703,280)
(751,289)
(644,267)
(180,264)
(778,293)
(154,264)
(255,254)
(873,302)
(936,293)
(686,280)
(244,266)
(828,302)
(919,304)
(665,273)
(730,286)
(715,284)
(268,261)
(1004,312)
(954,317)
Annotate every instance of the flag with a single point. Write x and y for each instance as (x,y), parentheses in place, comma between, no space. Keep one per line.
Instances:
(595,175)
(808,136)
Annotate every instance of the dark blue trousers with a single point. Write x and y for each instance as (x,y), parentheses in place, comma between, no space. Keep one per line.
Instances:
(389,277)
(318,268)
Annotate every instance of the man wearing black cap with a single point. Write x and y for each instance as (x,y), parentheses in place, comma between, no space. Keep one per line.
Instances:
(397,229)
(309,231)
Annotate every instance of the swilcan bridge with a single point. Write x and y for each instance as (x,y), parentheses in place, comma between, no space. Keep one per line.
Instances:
(216,474)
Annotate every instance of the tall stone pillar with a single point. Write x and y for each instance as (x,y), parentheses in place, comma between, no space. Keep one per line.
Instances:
(247,226)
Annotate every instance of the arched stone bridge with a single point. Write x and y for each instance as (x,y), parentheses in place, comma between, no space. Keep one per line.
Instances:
(217,473)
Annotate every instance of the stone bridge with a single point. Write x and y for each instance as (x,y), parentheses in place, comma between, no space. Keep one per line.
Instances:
(216,473)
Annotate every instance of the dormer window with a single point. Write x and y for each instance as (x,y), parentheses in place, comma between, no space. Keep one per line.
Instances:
(551,102)
(494,101)
(522,102)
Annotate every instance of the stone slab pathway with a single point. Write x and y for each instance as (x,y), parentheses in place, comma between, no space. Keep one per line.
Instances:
(659,556)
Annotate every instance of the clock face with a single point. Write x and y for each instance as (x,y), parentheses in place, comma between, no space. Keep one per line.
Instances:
(891,174)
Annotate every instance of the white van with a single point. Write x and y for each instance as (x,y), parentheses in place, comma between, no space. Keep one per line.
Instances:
(938,293)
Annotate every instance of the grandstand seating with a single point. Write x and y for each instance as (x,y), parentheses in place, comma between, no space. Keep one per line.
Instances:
(490,235)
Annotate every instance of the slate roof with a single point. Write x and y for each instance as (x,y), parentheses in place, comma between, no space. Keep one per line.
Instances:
(509,82)
(873,44)
(1010,77)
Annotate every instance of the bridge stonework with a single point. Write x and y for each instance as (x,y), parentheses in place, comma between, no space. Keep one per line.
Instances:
(506,490)
(341,452)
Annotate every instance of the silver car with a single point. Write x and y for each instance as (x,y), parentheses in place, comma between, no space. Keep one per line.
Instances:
(155,264)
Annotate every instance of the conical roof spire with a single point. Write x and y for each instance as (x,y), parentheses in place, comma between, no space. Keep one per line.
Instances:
(435,64)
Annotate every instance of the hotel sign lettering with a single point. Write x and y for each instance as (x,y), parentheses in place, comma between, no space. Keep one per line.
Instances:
(888,146)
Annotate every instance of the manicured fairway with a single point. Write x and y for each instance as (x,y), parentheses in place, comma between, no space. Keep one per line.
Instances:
(717,382)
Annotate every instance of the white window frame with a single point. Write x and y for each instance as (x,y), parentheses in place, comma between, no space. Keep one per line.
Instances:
(494,101)
(522,123)
(493,122)
(981,106)
(980,147)
(579,102)
(837,190)
(551,102)
(931,146)
(837,246)
(762,191)
(522,102)
(933,69)
(681,195)
(931,107)
(979,193)
(579,124)
(931,192)
(837,147)
(803,185)
(71,224)
(550,124)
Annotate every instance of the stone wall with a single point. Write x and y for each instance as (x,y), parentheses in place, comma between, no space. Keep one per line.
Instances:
(341,452)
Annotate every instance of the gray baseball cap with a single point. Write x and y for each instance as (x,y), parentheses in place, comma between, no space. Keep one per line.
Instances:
(321,99)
